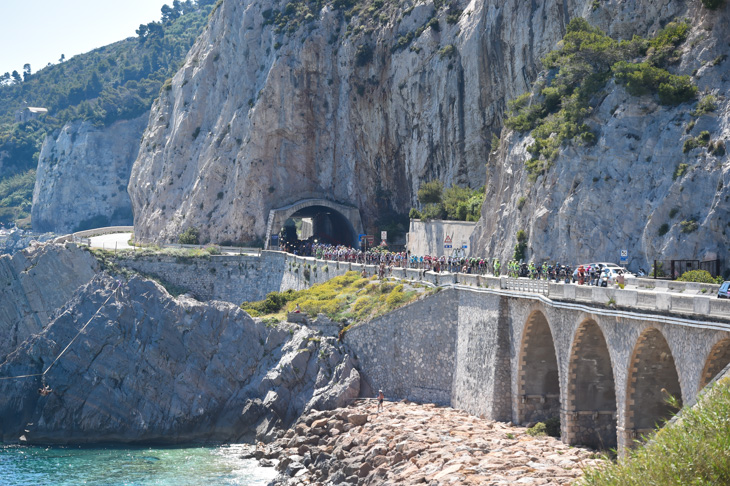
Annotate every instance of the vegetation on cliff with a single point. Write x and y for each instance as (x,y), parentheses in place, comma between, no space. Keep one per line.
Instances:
(455,203)
(349,298)
(690,450)
(576,76)
(116,82)
(16,198)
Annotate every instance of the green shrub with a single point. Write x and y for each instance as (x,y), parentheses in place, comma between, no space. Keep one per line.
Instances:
(447,51)
(552,426)
(689,226)
(434,24)
(663,229)
(414,214)
(521,246)
(673,212)
(537,430)
(679,171)
(718,148)
(430,192)
(643,78)
(701,140)
(713,4)
(494,146)
(363,54)
(707,104)
(190,236)
(433,211)
(702,276)
(677,90)
(453,17)
(521,202)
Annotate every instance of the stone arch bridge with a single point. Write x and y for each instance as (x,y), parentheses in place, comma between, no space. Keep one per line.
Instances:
(606,373)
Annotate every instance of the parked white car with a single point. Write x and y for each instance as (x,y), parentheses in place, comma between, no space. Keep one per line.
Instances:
(612,268)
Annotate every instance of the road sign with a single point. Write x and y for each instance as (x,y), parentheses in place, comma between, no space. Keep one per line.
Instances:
(447,246)
(463,244)
(383,235)
(447,240)
(624,257)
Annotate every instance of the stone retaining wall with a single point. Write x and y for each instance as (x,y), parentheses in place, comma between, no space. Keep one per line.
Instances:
(231,278)
(411,352)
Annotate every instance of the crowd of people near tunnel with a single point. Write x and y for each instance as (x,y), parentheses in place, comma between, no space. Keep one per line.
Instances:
(387,260)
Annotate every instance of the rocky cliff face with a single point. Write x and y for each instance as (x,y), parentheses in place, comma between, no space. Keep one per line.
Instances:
(34,283)
(150,368)
(359,111)
(82,176)
(630,190)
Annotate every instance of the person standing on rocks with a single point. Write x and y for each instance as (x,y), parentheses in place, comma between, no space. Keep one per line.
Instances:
(381,397)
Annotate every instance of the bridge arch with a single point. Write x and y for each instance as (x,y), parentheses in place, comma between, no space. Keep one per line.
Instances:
(591,409)
(538,378)
(717,360)
(331,221)
(652,378)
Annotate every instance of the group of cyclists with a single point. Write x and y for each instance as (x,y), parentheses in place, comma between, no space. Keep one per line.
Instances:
(387,260)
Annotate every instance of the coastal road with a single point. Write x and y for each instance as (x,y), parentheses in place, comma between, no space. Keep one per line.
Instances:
(112,241)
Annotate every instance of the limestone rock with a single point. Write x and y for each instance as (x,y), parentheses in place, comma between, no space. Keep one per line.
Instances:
(16,239)
(82,176)
(153,368)
(256,120)
(34,283)
(596,201)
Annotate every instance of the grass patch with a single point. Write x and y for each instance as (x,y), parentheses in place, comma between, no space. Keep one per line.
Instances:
(348,299)
(691,450)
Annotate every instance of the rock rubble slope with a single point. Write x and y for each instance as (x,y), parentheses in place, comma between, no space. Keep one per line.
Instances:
(409,443)
(151,368)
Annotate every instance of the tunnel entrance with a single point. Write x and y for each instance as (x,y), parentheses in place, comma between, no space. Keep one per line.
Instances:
(316,220)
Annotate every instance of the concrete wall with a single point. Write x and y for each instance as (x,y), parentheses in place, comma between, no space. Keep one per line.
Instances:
(427,237)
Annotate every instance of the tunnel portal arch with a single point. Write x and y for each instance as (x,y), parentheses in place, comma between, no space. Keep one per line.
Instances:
(331,222)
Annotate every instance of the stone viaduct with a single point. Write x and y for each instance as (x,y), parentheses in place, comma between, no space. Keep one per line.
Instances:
(606,373)
(604,361)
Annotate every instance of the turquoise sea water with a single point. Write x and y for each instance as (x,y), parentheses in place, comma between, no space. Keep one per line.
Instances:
(142,466)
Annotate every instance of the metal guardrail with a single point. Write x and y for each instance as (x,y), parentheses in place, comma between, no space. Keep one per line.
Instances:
(526,285)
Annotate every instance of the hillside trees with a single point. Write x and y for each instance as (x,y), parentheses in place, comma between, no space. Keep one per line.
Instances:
(115,82)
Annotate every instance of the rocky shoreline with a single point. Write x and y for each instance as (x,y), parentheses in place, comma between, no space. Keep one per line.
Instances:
(409,443)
